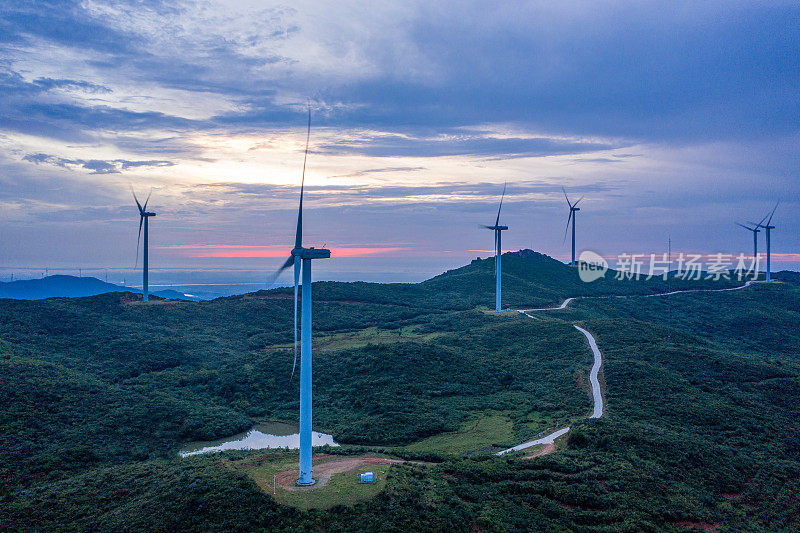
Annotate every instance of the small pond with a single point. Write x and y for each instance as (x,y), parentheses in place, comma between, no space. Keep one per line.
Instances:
(261,436)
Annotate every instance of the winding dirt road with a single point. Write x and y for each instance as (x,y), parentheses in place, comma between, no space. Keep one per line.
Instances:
(597,393)
(597,397)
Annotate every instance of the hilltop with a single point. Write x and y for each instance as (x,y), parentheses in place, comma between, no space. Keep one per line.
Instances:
(530,279)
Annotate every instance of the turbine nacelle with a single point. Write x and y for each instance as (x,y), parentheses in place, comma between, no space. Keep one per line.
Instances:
(755,227)
(768,225)
(311,253)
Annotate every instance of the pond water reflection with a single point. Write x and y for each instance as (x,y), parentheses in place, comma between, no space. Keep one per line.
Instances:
(261,436)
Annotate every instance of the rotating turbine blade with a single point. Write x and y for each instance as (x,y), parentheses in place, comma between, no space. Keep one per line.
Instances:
(298,238)
(296,282)
(567,228)
(497,221)
(579,199)
(745,227)
(567,197)
(137,201)
(144,207)
(760,224)
(771,214)
(496,253)
(138,240)
(289,262)
(298,241)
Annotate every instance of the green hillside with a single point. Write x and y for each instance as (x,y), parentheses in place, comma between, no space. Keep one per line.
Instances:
(702,427)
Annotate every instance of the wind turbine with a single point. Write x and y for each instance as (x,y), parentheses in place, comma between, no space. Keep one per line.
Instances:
(301,258)
(573,209)
(498,249)
(755,231)
(768,227)
(143,216)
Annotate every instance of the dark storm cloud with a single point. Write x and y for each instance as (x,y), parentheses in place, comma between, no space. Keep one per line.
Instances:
(651,71)
(63,22)
(679,72)
(96,166)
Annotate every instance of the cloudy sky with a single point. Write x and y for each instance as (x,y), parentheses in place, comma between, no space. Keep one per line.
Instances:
(673,119)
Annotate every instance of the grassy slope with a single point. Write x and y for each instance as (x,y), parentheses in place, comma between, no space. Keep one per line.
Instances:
(95,382)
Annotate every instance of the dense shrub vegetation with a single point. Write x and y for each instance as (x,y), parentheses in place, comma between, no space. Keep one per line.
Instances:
(702,426)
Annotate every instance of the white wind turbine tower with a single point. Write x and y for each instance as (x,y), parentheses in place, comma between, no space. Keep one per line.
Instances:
(144,215)
(301,258)
(498,251)
(768,227)
(573,210)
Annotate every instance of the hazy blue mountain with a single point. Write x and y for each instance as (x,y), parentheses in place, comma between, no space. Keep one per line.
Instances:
(70,286)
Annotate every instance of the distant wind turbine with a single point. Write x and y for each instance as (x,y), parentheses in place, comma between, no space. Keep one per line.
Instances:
(305,255)
(143,216)
(498,251)
(768,227)
(573,209)
(754,229)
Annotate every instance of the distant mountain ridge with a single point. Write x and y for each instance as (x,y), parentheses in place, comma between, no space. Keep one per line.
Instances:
(530,279)
(71,287)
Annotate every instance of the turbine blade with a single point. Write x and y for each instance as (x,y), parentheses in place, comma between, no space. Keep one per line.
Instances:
(298,238)
(485,226)
(745,227)
(289,262)
(138,240)
(566,229)
(137,201)
(496,253)
(144,208)
(497,221)
(579,199)
(296,282)
(567,197)
(771,214)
